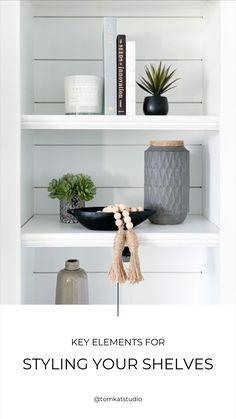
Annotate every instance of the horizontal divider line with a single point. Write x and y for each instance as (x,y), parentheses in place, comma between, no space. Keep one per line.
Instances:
(49,103)
(169,59)
(117,187)
(118,16)
(103,145)
(62,103)
(144,272)
(137,59)
(102,187)
(69,59)
(184,103)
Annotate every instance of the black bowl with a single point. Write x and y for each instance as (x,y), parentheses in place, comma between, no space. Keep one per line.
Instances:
(93,220)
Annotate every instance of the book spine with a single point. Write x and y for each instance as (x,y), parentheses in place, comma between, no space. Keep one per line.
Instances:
(130,78)
(109,62)
(121,75)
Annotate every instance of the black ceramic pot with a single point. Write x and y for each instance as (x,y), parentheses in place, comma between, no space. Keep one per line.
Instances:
(155,105)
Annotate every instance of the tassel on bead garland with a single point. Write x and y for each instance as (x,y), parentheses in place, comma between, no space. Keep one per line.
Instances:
(117,272)
(134,273)
(124,238)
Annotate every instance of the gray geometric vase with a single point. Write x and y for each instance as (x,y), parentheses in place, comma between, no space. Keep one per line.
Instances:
(65,205)
(166,181)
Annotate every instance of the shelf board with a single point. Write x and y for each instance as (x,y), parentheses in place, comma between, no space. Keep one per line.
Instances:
(110,122)
(47,231)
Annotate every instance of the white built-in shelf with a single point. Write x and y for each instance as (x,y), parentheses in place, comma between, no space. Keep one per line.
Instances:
(105,122)
(47,231)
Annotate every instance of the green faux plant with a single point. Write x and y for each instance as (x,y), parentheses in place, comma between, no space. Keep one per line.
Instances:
(158,80)
(71,186)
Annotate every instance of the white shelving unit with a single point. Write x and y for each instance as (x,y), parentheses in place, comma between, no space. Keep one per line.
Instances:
(105,122)
(41,42)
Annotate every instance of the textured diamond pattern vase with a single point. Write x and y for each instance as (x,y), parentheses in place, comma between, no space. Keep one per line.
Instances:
(166,181)
(65,217)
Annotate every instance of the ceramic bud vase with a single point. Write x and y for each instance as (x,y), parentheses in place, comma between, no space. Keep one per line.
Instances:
(166,181)
(65,217)
(72,284)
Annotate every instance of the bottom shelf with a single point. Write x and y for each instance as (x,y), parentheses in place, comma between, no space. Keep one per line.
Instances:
(47,231)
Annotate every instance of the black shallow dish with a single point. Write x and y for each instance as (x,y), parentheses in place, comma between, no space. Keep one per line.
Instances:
(93,220)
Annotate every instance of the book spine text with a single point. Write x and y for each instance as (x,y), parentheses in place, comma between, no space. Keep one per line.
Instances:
(121,75)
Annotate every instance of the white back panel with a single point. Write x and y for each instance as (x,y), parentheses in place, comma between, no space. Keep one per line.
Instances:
(50,75)
(119,8)
(60,50)
(183,281)
(99,259)
(109,166)
(156,38)
(155,289)
(132,196)
(52,108)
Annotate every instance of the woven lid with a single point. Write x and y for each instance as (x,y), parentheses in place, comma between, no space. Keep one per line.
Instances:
(72,265)
(167,143)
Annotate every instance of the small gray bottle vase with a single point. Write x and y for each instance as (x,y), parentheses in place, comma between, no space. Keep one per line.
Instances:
(166,181)
(65,205)
(72,284)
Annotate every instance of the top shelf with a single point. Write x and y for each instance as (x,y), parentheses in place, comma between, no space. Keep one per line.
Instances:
(110,122)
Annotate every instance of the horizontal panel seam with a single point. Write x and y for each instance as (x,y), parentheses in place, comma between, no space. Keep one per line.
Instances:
(180,102)
(137,59)
(200,17)
(117,187)
(144,272)
(104,145)
(62,103)
(68,59)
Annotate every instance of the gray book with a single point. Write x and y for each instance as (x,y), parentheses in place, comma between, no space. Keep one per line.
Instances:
(109,63)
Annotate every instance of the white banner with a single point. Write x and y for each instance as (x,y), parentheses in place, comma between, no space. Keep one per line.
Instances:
(78,361)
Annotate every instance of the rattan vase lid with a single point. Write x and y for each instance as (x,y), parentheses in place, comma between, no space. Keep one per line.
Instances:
(167,143)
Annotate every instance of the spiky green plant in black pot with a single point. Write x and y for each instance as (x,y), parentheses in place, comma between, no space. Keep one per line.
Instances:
(158,80)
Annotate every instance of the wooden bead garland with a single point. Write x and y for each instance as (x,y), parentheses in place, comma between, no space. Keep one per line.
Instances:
(120,210)
(124,238)
(125,213)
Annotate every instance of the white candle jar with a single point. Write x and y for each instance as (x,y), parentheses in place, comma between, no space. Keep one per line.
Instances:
(83,95)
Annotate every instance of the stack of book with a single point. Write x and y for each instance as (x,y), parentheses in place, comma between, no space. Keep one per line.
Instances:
(119,71)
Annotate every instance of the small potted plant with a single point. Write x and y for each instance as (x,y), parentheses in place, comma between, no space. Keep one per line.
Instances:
(72,192)
(158,81)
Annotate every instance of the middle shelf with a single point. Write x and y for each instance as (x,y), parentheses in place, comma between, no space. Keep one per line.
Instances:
(47,231)
(114,122)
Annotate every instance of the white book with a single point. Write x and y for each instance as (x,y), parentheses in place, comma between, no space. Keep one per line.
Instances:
(109,63)
(130,78)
